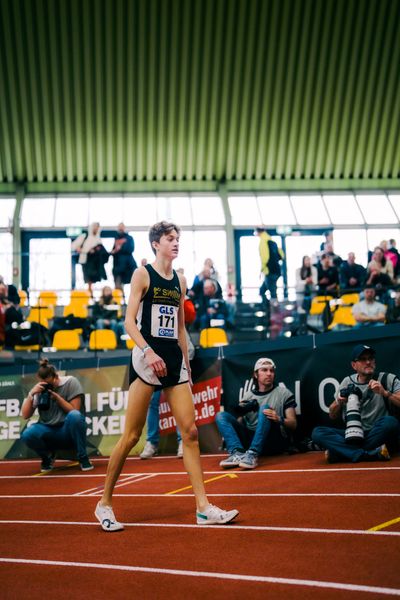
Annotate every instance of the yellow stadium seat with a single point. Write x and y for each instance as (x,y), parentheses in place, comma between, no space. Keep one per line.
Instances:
(342,316)
(213,336)
(77,309)
(352,298)
(130,343)
(34,347)
(318,304)
(80,296)
(118,296)
(66,339)
(23,297)
(40,315)
(102,339)
(48,298)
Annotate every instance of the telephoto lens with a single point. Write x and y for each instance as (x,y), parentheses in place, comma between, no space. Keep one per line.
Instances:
(354,433)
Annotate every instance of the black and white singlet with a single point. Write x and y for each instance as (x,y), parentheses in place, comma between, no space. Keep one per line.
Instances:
(157,320)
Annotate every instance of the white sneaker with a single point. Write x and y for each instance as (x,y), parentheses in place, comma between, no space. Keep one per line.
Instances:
(106,517)
(213,515)
(149,450)
(179,452)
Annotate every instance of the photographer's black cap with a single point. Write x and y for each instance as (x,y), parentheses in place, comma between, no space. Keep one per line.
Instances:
(361,349)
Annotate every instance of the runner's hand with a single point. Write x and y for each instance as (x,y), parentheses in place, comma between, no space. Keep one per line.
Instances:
(156,363)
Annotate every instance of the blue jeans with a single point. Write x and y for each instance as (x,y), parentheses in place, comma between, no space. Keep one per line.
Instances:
(44,439)
(266,439)
(269,283)
(383,431)
(153,416)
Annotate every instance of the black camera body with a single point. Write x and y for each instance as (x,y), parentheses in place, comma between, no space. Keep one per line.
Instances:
(354,433)
(44,399)
(245,407)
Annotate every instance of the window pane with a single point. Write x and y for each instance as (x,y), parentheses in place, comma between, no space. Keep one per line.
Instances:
(180,210)
(376,209)
(309,210)
(50,264)
(207,210)
(343,209)
(276,210)
(139,210)
(7,207)
(72,211)
(395,200)
(351,240)
(106,211)
(244,211)
(210,244)
(376,236)
(6,256)
(298,246)
(250,268)
(38,212)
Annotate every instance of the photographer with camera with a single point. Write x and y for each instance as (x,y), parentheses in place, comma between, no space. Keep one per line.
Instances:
(265,418)
(365,403)
(60,403)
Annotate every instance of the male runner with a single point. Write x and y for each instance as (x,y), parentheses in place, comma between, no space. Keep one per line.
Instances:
(155,321)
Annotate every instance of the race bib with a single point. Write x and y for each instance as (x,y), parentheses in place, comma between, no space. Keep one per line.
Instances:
(164,321)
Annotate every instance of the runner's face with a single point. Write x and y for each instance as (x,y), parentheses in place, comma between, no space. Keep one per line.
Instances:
(168,245)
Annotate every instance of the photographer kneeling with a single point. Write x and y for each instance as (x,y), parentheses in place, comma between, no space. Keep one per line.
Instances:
(61,425)
(365,405)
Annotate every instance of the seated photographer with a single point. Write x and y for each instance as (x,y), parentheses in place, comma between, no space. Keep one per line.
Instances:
(365,403)
(266,418)
(211,307)
(61,425)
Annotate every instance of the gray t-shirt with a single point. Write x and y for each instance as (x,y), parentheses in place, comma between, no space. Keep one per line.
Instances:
(370,309)
(69,389)
(279,399)
(372,406)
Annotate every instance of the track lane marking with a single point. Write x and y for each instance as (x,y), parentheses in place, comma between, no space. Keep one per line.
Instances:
(231,527)
(244,472)
(383,525)
(189,487)
(211,575)
(211,494)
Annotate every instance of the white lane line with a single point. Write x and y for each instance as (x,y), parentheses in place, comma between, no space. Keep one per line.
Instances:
(230,495)
(231,527)
(100,487)
(125,482)
(212,575)
(236,472)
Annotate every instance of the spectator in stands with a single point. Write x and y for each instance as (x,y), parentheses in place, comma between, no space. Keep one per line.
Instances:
(10,317)
(106,313)
(378,394)
(211,306)
(393,313)
(11,292)
(266,419)
(328,275)
(92,255)
(351,275)
(379,270)
(306,284)
(335,258)
(124,263)
(271,257)
(369,312)
(197,290)
(60,403)
(395,258)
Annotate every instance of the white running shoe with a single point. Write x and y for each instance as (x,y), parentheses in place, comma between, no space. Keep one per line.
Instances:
(179,452)
(106,517)
(213,515)
(149,450)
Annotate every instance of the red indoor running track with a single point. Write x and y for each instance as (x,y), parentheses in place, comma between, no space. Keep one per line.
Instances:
(306,529)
